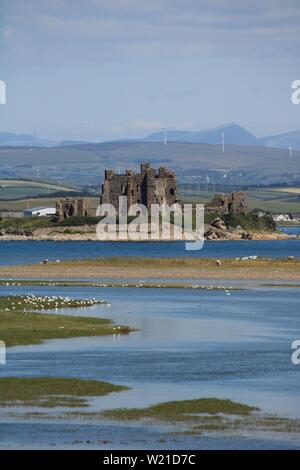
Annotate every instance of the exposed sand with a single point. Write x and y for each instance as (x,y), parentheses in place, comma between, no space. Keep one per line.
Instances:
(141,268)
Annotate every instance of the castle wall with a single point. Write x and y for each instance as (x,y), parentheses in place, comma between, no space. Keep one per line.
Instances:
(147,187)
(234,203)
(70,207)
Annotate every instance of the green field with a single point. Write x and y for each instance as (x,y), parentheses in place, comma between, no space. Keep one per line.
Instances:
(28,203)
(274,200)
(23,188)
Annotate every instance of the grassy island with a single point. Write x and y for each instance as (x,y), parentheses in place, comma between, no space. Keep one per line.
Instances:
(22,323)
(50,392)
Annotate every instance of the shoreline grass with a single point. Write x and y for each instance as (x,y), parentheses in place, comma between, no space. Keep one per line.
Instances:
(143,284)
(50,392)
(20,324)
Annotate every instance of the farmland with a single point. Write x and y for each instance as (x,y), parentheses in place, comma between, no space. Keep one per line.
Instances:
(24,188)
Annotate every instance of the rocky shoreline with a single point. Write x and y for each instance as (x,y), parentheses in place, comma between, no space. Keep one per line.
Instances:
(217,230)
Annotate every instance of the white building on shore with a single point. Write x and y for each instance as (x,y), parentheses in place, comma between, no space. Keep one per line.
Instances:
(39,212)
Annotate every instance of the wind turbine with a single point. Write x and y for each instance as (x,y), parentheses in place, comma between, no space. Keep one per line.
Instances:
(165,135)
(223,141)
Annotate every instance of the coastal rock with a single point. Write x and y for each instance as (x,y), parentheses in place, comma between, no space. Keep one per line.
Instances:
(210,234)
(246,236)
(219,223)
(16,231)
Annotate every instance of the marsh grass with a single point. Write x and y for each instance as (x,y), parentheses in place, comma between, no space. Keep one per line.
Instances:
(189,417)
(186,410)
(18,327)
(52,392)
(207,415)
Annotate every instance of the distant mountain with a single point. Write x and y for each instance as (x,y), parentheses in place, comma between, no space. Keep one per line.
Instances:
(290,139)
(67,143)
(173,136)
(234,135)
(24,140)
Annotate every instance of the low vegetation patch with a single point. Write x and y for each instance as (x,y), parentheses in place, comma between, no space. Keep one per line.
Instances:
(21,324)
(253,221)
(186,410)
(190,417)
(202,415)
(52,392)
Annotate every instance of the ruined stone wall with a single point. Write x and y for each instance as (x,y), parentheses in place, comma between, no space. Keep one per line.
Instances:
(70,207)
(147,187)
(238,204)
(234,203)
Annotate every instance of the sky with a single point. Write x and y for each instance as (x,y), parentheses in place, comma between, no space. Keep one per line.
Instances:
(108,69)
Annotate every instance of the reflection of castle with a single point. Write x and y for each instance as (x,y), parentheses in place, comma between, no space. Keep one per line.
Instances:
(234,203)
(147,187)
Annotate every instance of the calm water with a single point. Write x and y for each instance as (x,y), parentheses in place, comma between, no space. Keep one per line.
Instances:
(290,230)
(190,344)
(20,252)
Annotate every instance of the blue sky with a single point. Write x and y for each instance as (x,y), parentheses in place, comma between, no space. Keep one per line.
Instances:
(107,69)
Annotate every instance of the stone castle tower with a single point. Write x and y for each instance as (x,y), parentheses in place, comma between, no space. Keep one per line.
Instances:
(148,187)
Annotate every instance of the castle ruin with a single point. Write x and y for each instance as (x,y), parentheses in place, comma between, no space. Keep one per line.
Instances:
(70,207)
(148,187)
(234,203)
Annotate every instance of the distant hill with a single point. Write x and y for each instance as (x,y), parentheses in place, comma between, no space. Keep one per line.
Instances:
(68,143)
(234,135)
(84,164)
(10,139)
(173,136)
(290,139)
